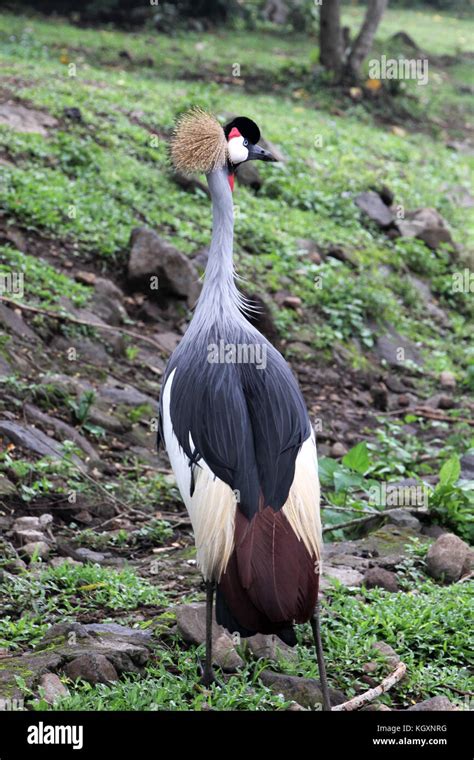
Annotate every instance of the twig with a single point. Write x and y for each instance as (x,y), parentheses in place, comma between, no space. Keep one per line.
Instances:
(432,414)
(69,318)
(368,696)
(369,516)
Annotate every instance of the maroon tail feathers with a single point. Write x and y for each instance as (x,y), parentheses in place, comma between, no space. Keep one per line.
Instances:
(271,579)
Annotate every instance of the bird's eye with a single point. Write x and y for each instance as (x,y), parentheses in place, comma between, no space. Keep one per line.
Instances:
(246,142)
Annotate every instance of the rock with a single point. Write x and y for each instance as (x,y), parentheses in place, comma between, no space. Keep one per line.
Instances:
(123,632)
(27,535)
(64,431)
(396,350)
(15,323)
(21,118)
(45,520)
(191,621)
(93,668)
(27,668)
(108,302)
(58,561)
(467,467)
(447,379)
(345,575)
(190,184)
(38,549)
(305,691)
(378,577)
(127,395)
(248,175)
(404,518)
(88,555)
(109,422)
(270,647)
(53,688)
(434,704)
(391,657)
(338,450)
(373,206)
(292,302)
(26,523)
(7,488)
(167,341)
(427,225)
(449,558)
(31,438)
(151,256)
(310,248)
(86,350)
(73,114)
(224,654)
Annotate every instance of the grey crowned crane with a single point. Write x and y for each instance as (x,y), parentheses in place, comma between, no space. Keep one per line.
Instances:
(236,430)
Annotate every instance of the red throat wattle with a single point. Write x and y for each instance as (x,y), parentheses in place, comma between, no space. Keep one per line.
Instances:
(231,179)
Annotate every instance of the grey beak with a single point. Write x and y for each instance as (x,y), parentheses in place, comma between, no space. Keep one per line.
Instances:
(258,153)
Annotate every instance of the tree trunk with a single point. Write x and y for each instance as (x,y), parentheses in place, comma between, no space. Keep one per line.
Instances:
(330,36)
(363,41)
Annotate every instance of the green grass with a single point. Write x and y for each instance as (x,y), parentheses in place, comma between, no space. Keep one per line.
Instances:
(31,602)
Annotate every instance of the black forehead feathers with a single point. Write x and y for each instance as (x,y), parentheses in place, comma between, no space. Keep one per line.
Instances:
(247,128)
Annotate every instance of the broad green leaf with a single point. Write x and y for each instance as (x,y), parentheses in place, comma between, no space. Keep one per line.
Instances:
(450,471)
(358,458)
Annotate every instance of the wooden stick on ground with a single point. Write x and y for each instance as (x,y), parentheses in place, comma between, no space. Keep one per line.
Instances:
(368,696)
(370,516)
(64,317)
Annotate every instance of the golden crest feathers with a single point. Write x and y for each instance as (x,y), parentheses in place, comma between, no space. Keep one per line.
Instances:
(198,143)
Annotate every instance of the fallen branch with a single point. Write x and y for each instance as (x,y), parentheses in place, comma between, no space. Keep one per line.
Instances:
(370,516)
(62,316)
(368,696)
(432,414)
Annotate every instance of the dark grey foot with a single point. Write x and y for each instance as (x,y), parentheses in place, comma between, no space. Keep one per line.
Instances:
(208,676)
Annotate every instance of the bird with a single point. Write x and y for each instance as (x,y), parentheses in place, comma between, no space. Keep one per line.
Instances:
(236,429)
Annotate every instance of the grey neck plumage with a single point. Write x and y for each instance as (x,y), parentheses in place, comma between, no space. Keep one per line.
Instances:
(220,302)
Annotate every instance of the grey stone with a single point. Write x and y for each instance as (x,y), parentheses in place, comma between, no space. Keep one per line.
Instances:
(378,577)
(93,667)
(404,518)
(449,558)
(305,691)
(29,534)
(427,225)
(7,488)
(151,256)
(26,523)
(345,575)
(29,437)
(391,657)
(467,467)
(53,688)
(62,429)
(39,549)
(108,302)
(447,379)
(395,349)
(104,630)
(225,655)
(433,705)
(373,206)
(270,647)
(22,118)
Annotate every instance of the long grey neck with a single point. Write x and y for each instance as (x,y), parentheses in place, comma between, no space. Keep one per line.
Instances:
(220,301)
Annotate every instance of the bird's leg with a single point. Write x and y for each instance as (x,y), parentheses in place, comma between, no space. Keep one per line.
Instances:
(208,676)
(316,628)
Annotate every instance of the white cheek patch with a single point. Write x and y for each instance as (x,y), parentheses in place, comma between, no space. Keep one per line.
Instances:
(237,150)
